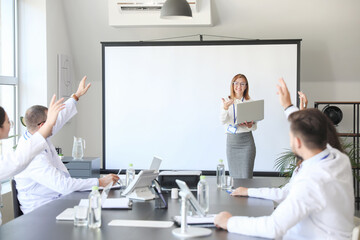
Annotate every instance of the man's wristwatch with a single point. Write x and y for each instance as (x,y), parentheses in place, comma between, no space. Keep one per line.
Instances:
(75,97)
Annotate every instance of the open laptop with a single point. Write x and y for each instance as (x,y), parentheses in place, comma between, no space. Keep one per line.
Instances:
(250,111)
(155,164)
(139,188)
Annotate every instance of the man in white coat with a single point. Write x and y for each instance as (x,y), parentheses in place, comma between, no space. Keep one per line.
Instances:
(46,178)
(12,163)
(318,202)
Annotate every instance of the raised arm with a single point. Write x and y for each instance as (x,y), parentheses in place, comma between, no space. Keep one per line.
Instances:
(13,163)
(70,106)
(303,100)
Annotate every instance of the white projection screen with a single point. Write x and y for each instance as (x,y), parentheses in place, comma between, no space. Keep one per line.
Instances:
(164,99)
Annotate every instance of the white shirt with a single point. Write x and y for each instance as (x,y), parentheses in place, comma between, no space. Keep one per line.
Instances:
(290,110)
(46,178)
(227,117)
(318,202)
(14,162)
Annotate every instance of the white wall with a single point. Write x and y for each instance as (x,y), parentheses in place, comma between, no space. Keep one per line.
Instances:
(330,48)
(330,53)
(42,35)
(58,43)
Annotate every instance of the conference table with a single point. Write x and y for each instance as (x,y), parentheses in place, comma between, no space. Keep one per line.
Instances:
(41,223)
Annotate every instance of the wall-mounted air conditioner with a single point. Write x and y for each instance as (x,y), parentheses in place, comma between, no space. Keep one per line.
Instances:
(127,5)
(147,13)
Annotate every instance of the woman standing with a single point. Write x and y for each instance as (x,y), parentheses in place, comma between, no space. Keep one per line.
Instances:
(14,162)
(240,145)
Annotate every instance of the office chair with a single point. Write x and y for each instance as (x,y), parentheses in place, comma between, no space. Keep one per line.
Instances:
(16,204)
(356,230)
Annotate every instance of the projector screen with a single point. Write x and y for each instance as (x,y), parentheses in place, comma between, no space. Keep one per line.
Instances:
(164,99)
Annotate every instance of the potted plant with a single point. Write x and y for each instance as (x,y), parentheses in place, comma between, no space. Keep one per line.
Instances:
(285,164)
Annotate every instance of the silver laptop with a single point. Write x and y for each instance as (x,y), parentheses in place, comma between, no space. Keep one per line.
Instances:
(155,164)
(250,111)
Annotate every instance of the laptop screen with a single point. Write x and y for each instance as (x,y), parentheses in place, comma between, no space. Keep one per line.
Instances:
(155,164)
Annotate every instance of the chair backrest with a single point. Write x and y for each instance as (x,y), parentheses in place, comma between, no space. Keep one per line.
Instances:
(356,233)
(16,204)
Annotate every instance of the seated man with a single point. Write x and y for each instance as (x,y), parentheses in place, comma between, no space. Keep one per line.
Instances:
(46,178)
(318,202)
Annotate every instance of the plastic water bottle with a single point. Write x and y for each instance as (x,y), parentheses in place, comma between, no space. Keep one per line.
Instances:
(203,194)
(94,218)
(220,173)
(130,174)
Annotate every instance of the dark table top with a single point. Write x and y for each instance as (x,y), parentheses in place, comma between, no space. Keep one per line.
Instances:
(41,223)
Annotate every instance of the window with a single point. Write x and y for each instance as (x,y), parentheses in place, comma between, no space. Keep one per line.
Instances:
(8,65)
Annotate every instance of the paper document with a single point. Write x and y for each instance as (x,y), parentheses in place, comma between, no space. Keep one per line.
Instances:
(141,223)
(207,221)
(66,215)
(114,203)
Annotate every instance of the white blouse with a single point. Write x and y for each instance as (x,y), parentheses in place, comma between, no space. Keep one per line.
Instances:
(227,117)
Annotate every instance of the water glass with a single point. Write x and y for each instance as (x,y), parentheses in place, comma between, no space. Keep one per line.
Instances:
(81,216)
(228,183)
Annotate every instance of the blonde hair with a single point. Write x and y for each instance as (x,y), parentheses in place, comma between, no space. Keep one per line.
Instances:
(246,92)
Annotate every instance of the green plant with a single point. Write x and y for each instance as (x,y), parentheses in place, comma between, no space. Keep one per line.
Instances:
(285,164)
(14,136)
(22,120)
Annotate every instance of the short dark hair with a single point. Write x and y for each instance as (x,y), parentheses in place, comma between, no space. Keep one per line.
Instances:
(2,116)
(35,115)
(311,126)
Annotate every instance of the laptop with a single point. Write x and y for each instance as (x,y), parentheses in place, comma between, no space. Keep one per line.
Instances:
(155,164)
(250,111)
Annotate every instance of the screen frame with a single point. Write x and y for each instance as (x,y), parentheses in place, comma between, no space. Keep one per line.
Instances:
(104,45)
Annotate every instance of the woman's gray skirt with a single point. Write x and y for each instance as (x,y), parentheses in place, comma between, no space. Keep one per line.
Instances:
(240,151)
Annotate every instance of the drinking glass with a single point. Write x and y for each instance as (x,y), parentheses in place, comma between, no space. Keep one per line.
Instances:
(81,216)
(228,183)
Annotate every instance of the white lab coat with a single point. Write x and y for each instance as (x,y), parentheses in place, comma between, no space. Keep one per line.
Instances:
(46,178)
(318,203)
(14,162)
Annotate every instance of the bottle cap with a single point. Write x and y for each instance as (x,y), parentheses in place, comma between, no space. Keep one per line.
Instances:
(202,177)
(221,160)
(94,188)
(130,165)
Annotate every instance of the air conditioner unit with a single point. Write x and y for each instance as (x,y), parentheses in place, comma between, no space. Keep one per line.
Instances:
(143,6)
(133,13)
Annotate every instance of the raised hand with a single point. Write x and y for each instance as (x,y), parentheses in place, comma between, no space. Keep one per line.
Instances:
(303,100)
(54,108)
(227,103)
(82,89)
(284,95)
